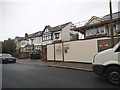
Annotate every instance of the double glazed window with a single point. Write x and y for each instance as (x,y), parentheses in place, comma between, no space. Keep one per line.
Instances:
(95,30)
(101,30)
(37,40)
(47,36)
(23,43)
(118,27)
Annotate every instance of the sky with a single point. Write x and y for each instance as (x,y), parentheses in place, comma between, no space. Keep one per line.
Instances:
(18,17)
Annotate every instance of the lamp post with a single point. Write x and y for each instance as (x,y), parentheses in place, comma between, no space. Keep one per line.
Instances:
(111,25)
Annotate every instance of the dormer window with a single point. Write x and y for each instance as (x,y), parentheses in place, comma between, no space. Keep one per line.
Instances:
(57,35)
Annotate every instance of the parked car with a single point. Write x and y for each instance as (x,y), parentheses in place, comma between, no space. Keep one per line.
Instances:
(7,58)
(36,54)
(107,63)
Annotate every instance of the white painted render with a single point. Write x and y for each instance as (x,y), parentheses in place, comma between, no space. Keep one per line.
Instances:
(23,43)
(46,30)
(37,40)
(65,34)
(58,52)
(81,51)
(77,51)
(47,42)
(93,31)
(29,41)
(50,52)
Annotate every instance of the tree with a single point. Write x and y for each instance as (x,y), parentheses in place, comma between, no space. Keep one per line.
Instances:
(8,46)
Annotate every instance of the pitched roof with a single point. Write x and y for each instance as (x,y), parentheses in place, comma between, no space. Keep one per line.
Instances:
(56,28)
(38,34)
(94,20)
(18,38)
(35,34)
(59,27)
(32,35)
(114,16)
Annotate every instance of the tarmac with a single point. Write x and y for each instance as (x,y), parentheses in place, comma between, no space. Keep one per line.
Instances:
(67,65)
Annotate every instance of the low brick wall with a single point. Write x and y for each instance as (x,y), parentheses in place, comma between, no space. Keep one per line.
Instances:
(24,55)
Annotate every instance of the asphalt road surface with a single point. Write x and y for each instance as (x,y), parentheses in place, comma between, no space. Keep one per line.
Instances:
(33,76)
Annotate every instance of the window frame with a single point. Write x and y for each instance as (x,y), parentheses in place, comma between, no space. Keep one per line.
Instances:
(57,35)
(47,36)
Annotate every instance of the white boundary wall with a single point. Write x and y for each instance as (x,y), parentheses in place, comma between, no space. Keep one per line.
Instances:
(0,68)
(74,51)
(50,52)
(81,51)
(58,52)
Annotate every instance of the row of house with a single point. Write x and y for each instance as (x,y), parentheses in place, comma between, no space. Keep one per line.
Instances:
(39,40)
(96,27)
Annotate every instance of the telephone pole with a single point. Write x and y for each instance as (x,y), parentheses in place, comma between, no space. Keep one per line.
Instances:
(111,25)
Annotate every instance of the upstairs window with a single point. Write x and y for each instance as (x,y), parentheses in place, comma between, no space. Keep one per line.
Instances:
(118,27)
(57,35)
(101,30)
(47,36)
(87,32)
(23,43)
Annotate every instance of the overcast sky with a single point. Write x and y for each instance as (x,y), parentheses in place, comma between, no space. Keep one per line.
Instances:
(18,17)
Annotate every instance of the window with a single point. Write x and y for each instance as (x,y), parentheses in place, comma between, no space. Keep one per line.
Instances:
(97,31)
(118,27)
(43,38)
(88,33)
(93,31)
(23,43)
(101,30)
(47,36)
(57,35)
(118,49)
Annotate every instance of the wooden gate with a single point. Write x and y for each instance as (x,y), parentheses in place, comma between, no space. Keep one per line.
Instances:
(44,53)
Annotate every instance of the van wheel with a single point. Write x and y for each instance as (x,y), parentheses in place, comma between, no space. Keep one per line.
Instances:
(113,74)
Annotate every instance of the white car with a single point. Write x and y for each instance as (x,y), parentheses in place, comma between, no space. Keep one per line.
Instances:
(107,63)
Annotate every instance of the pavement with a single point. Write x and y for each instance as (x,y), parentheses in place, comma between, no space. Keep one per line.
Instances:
(68,65)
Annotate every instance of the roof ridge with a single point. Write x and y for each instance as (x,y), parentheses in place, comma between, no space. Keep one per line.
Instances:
(112,14)
(62,24)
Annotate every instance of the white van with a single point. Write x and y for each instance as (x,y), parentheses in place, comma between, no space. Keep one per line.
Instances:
(107,63)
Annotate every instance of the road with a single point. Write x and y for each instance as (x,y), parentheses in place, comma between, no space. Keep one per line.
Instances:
(34,76)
